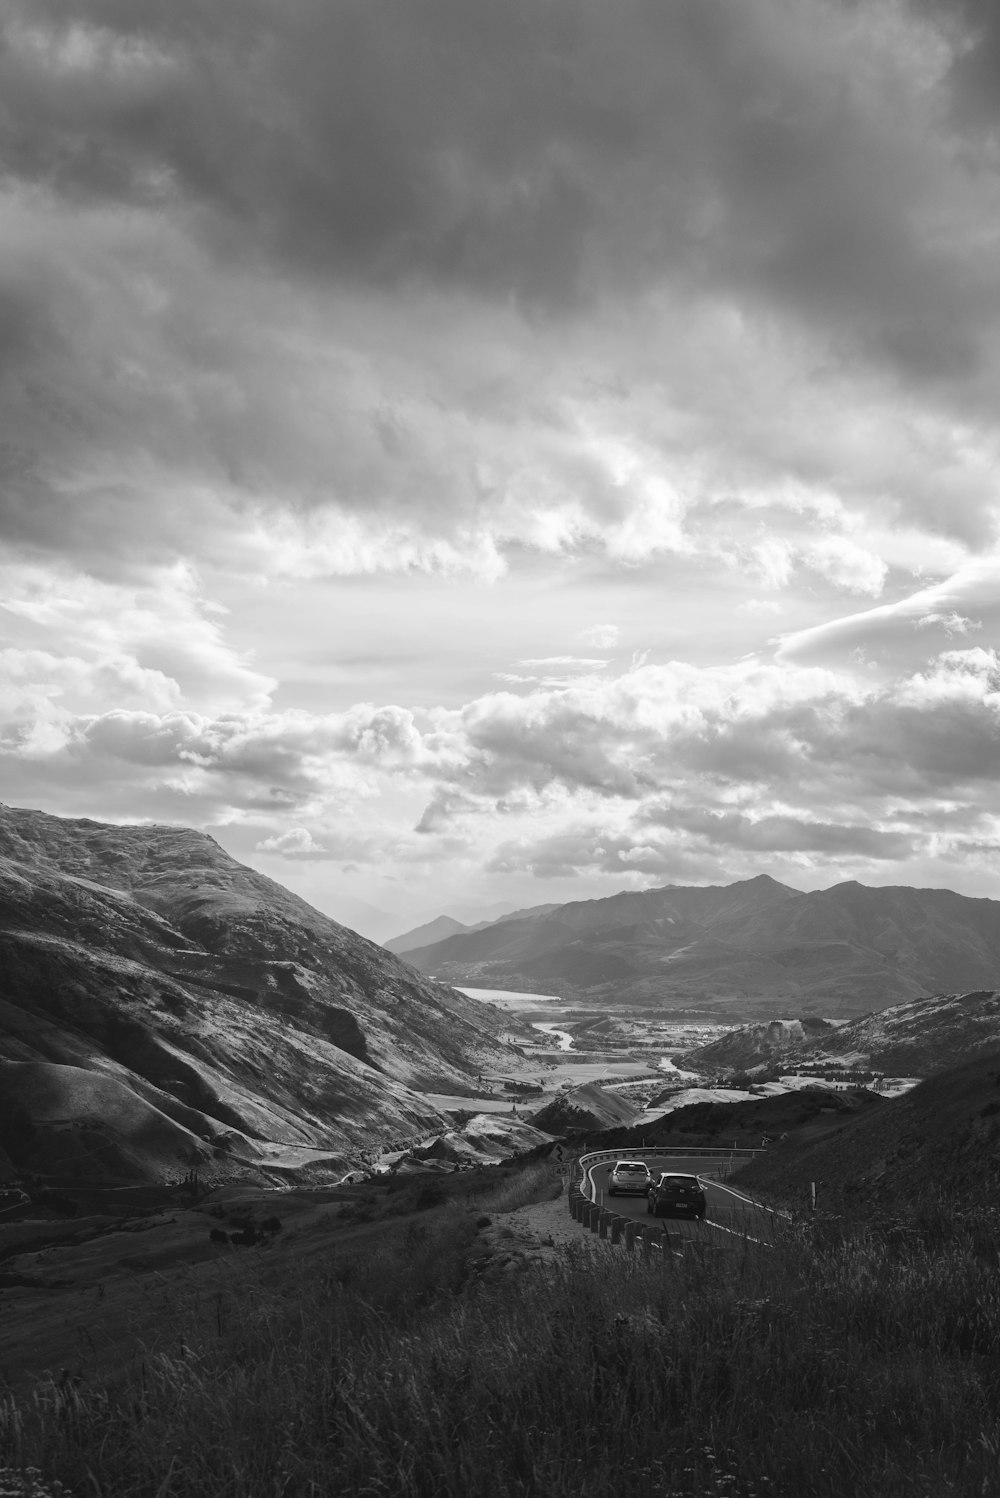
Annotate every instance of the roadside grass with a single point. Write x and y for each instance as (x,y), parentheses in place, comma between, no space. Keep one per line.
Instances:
(839,1363)
(533,1184)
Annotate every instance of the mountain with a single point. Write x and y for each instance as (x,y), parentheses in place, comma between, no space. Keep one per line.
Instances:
(423,936)
(444,926)
(736,949)
(160,1001)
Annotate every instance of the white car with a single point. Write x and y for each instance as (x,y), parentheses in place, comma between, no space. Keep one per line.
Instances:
(629,1176)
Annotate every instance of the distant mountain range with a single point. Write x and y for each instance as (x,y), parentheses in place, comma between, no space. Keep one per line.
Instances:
(741,950)
(446,925)
(162,1006)
(432,931)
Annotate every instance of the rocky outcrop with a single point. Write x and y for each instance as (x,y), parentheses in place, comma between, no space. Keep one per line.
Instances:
(753,1047)
(915,1039)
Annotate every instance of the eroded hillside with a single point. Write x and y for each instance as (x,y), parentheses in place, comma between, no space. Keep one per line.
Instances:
(219,1003)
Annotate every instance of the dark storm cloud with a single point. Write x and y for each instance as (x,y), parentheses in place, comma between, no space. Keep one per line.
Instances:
(545,151)
(660,253)
(974,76)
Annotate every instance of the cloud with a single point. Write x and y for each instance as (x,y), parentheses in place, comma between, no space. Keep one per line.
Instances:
(673,761)
(688,254)
(601,636)
(786,834)
(848,565)
(155,642)
(897,635)
(627,314)
(297,842)
(578,662)
(952,624)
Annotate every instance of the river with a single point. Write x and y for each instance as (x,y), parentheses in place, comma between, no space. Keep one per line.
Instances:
(563,1036)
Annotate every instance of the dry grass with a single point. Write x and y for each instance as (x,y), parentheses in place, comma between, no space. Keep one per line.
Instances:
(533,1184)
(834,1365)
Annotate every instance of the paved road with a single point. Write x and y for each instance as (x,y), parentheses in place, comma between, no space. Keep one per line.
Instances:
(727,1215)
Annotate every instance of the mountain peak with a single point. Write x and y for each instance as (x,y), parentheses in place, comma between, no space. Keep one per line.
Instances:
(730,950)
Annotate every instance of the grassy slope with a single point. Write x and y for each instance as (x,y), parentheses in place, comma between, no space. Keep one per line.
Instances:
(395,1359)
(941,1141)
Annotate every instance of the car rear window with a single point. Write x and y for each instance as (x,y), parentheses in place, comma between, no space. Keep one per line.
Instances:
(688,1182)
(631,1169)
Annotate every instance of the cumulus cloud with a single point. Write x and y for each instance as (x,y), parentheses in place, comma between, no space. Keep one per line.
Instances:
(679,767)
(297,842)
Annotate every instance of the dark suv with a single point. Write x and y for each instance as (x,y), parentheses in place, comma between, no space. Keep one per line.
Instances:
(676,1196)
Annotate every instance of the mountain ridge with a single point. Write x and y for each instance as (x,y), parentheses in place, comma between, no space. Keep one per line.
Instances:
(741,949)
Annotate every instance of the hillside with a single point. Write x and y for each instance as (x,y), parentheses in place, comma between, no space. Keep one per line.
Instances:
(939,1143)
(911,1040)
(151,984)
(586,1107)
(737,950)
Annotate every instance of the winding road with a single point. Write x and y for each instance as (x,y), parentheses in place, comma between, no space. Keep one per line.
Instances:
(729,1215)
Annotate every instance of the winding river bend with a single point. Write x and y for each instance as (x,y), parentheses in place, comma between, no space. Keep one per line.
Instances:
(562,1036)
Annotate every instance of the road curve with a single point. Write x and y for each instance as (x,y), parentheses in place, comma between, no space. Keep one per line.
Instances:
(729,1214)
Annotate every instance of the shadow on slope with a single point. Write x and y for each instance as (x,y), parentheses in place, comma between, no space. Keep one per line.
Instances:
(939,1142)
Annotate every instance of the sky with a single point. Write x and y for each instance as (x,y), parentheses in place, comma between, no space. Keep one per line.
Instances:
(461,452)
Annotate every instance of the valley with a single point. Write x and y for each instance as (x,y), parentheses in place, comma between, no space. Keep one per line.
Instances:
(221,1110)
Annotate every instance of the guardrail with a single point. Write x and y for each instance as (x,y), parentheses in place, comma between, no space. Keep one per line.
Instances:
(595,1157)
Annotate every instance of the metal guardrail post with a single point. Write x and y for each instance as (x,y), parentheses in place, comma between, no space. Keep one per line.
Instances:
(603,1218)
(631,1233)
(616,1229)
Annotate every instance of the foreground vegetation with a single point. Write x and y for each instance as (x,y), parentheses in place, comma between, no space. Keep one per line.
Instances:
(844,1362)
